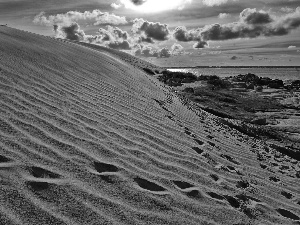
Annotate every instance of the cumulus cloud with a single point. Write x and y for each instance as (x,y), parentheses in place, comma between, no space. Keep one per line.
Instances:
(148,51)
(182,34)
(73,16)
(176,49)
(111,34)
(71,32)
(112,37)
(116,6)
(252,24)
(224,15)
(124,45)
(149,30)
(252,16)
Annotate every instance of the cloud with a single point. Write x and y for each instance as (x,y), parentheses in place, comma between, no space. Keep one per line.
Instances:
(124,45)
(150,30)
(182,34)
(111,34)
(73,16)
(215,2)
(252,16)
(116,6)
(176,49)
(112,19)
(112,37)
(252,24)
(292,46)
(71,32)
(147,51)
(287,9)
(224,15)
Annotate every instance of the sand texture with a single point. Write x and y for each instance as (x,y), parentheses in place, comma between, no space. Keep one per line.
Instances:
(88,138)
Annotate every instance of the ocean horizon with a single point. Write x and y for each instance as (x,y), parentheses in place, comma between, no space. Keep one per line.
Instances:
(283,73)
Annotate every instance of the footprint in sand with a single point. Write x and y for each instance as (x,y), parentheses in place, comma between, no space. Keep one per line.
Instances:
(41,184)
(232,201)
(201,143)
(182,184)
(263,166)
(104,167)
(287,214)
(243,184)
(198,150)
(39,172)
(287,195)
(210,137)
(38,186)
(215,195)
(4,159)
(188,132)
(274,179)
(194,194)
(229,158)
(148,185)
(214,177)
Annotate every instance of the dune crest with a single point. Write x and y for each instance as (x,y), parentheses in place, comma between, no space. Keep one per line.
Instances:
(86,137)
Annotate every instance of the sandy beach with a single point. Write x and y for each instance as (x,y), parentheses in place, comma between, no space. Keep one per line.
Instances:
(88,137)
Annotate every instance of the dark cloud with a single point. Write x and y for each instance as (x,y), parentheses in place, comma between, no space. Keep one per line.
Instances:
(72,32)
(252,24)
(112,37)
(252,16)
(156,31)
(182,34)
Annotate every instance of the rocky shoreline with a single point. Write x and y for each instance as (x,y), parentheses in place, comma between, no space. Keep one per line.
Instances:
(269,106)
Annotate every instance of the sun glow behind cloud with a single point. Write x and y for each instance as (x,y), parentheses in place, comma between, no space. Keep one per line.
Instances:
(152,6)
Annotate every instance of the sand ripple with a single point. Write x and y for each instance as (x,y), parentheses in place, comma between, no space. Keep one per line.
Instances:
(86,137)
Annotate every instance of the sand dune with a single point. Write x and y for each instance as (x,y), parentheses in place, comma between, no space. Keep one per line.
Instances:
(86,137)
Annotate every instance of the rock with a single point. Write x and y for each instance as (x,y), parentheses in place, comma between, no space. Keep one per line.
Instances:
(264,81)
(249,78)
(250,86)
(295,84)
(259,88)
(259,121)
(239,85)
(276,84)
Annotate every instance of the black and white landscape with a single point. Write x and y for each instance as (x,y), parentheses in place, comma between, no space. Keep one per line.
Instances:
(96,128)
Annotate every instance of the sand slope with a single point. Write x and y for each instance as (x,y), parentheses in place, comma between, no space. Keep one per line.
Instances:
(87,138)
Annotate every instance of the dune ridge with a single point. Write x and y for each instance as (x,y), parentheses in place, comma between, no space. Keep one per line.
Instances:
(88,138)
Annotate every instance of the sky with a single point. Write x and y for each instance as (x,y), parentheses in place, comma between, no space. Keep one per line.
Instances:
(160,27)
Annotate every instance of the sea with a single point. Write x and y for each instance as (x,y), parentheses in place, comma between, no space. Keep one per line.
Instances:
(287,73)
